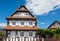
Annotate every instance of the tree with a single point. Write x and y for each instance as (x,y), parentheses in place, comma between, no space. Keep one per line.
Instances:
(41,33)
(57,33)
(1,34)
(49,33)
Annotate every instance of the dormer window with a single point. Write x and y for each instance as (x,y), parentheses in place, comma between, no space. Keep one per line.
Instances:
(30,23)
(14,23)
(22,23)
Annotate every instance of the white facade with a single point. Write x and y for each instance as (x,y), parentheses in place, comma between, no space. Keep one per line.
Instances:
(26,23)
(13,37)
(21,14)
(21,39)
(26,34)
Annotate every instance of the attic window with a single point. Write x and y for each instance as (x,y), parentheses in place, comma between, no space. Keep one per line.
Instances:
(22,23)
(30,23)
(14,23)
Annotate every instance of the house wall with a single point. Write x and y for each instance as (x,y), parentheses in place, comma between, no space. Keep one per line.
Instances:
(26,34)
(26,37)
(55,25)
(21,14)
(25,23)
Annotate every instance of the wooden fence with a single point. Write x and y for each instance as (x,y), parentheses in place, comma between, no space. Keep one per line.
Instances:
(49,39)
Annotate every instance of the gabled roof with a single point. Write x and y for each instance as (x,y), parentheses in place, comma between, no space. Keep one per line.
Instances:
(21,28)
(53,23)
(21,9)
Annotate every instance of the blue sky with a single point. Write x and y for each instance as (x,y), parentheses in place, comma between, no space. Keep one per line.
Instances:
(44,14)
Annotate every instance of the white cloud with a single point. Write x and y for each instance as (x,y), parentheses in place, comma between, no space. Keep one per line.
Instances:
(2,24)
(40,7)
(43,23)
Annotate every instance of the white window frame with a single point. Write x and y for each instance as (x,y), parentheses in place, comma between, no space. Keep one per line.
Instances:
(30,33)
(22,23)
(13,23)
(30,23)
(21,33)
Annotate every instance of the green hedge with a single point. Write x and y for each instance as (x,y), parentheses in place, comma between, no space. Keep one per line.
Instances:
(54,33)
(1,34)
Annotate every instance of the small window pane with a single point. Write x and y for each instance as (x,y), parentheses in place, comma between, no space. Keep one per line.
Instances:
(21,33)
(14,23)
(30,33)
(30,23)
(22,23)
(16,32)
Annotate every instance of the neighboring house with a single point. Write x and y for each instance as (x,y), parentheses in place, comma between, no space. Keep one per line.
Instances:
(55,24)
(21,26)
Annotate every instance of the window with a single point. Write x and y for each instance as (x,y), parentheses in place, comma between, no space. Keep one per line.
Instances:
(8,32)
(14,23)
(23,14)
(30,23)
(16,32)
(30,33)
(21,33)
(22,23)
